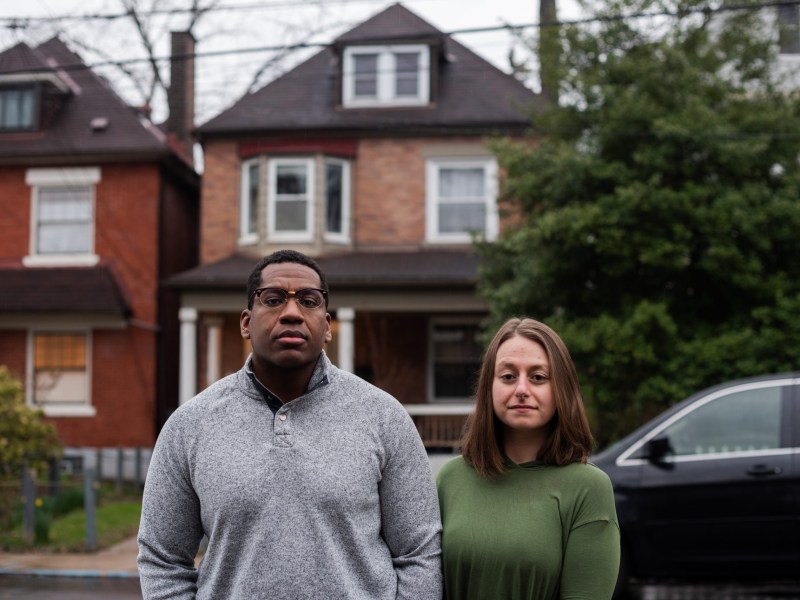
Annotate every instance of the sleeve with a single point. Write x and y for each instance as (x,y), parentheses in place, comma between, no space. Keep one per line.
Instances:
(410,519)
(170,530)
(592,552)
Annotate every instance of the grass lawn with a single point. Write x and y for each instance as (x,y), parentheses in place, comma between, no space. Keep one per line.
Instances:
(116,518)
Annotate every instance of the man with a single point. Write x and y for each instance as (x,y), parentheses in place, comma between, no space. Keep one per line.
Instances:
(308,481)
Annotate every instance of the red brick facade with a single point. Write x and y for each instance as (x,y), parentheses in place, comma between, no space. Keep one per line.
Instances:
(123,361)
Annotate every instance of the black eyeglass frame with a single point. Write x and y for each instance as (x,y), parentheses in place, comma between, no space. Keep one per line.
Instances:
(291,294)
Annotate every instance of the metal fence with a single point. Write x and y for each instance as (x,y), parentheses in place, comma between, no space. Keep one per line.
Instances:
(34,497)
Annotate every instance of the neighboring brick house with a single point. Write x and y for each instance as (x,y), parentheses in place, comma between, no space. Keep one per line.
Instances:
(97,205)
(372,157)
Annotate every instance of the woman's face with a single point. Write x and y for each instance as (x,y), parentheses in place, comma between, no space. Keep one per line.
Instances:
(522,395)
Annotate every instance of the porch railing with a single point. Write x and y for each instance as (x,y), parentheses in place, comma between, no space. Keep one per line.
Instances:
(439,425)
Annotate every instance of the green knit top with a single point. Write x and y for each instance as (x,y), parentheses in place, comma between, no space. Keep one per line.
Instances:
(535,533)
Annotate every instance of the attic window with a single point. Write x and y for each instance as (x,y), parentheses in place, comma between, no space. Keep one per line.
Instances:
(17,108)
(376,76)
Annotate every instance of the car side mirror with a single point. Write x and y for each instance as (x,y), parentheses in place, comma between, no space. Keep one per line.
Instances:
(657,449)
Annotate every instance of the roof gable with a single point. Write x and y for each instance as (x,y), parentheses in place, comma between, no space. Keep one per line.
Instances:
(472,95)
(91,120)
(394,22)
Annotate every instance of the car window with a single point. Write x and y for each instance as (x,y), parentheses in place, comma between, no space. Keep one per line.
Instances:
(741,421)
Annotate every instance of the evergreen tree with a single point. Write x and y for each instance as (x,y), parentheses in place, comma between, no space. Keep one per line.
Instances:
(657,209)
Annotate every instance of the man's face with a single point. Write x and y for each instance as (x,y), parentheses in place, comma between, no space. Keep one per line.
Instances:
(287,337)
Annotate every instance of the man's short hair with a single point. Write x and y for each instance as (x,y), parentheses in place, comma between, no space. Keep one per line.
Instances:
(282,256)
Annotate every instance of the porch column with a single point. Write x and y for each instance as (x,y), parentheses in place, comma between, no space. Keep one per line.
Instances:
(188,374)
(346,349)
(214,350)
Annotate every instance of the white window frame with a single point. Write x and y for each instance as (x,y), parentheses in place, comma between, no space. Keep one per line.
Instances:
(38,179)
(306,235)
(54,410)
(432,201)
(247,237)
(387,69)
(432,323)
(342,236)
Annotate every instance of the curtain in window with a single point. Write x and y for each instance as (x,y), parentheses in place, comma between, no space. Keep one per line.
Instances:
(60,368)
(462,200)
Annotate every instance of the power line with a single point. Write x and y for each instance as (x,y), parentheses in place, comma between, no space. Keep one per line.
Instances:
(470,30)
(22,22)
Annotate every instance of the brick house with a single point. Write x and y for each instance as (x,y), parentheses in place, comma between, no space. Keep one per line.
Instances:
(370,156)
(98,205)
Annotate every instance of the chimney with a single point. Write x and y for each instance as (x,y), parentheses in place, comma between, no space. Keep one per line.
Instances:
(180,95)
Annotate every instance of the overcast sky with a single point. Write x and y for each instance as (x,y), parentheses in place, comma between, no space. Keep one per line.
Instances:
(253,24)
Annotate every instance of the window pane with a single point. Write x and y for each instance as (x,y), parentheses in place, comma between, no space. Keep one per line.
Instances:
(365,69)
(407,74)
(333,198)
(60,368)
(748,420)
(64,220)
(252,199)
(290,215)
(461,183)
(462,217)
(789,29)
(291,179)
(16,108)
(456,360)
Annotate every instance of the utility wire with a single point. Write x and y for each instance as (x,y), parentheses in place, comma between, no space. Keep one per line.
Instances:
(506,27)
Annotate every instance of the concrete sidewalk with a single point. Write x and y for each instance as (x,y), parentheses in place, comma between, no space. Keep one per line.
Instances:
(116,561)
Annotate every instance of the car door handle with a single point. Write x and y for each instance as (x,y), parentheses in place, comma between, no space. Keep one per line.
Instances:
(763,471)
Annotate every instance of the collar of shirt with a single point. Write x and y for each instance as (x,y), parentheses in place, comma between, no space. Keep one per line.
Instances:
(318,378)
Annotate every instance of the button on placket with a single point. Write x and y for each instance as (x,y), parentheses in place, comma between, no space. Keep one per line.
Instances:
(282,428)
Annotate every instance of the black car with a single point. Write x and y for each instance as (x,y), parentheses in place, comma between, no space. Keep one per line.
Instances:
(710,489)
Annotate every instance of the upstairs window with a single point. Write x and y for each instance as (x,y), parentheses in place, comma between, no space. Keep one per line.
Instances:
(461,199)
(62,219)
(290,200)
(248,233)
(789,29)
(17,108)
(375,76)
(337,200)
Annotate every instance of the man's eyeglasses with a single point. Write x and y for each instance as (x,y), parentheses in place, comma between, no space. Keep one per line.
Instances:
(309,298)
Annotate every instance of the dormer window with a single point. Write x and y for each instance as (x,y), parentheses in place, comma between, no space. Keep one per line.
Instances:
(375,76)
(17,108)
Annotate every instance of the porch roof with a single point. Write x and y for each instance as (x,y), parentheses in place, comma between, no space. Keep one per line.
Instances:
(60,290)
(429,268)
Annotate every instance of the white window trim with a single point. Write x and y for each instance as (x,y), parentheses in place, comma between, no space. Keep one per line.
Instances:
(432,399)
(246,238)
(290,236)
(83,410)
(432,166)
(344,236)
(386,76)
(38,178)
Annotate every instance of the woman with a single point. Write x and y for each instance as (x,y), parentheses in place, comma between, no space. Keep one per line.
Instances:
(524,515)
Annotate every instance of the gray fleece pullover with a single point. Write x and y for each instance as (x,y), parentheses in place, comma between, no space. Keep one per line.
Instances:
(331,497)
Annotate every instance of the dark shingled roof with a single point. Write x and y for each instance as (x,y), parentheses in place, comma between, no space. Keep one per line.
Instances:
(425,269)
(82,97)
(473,96)
(61,290)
